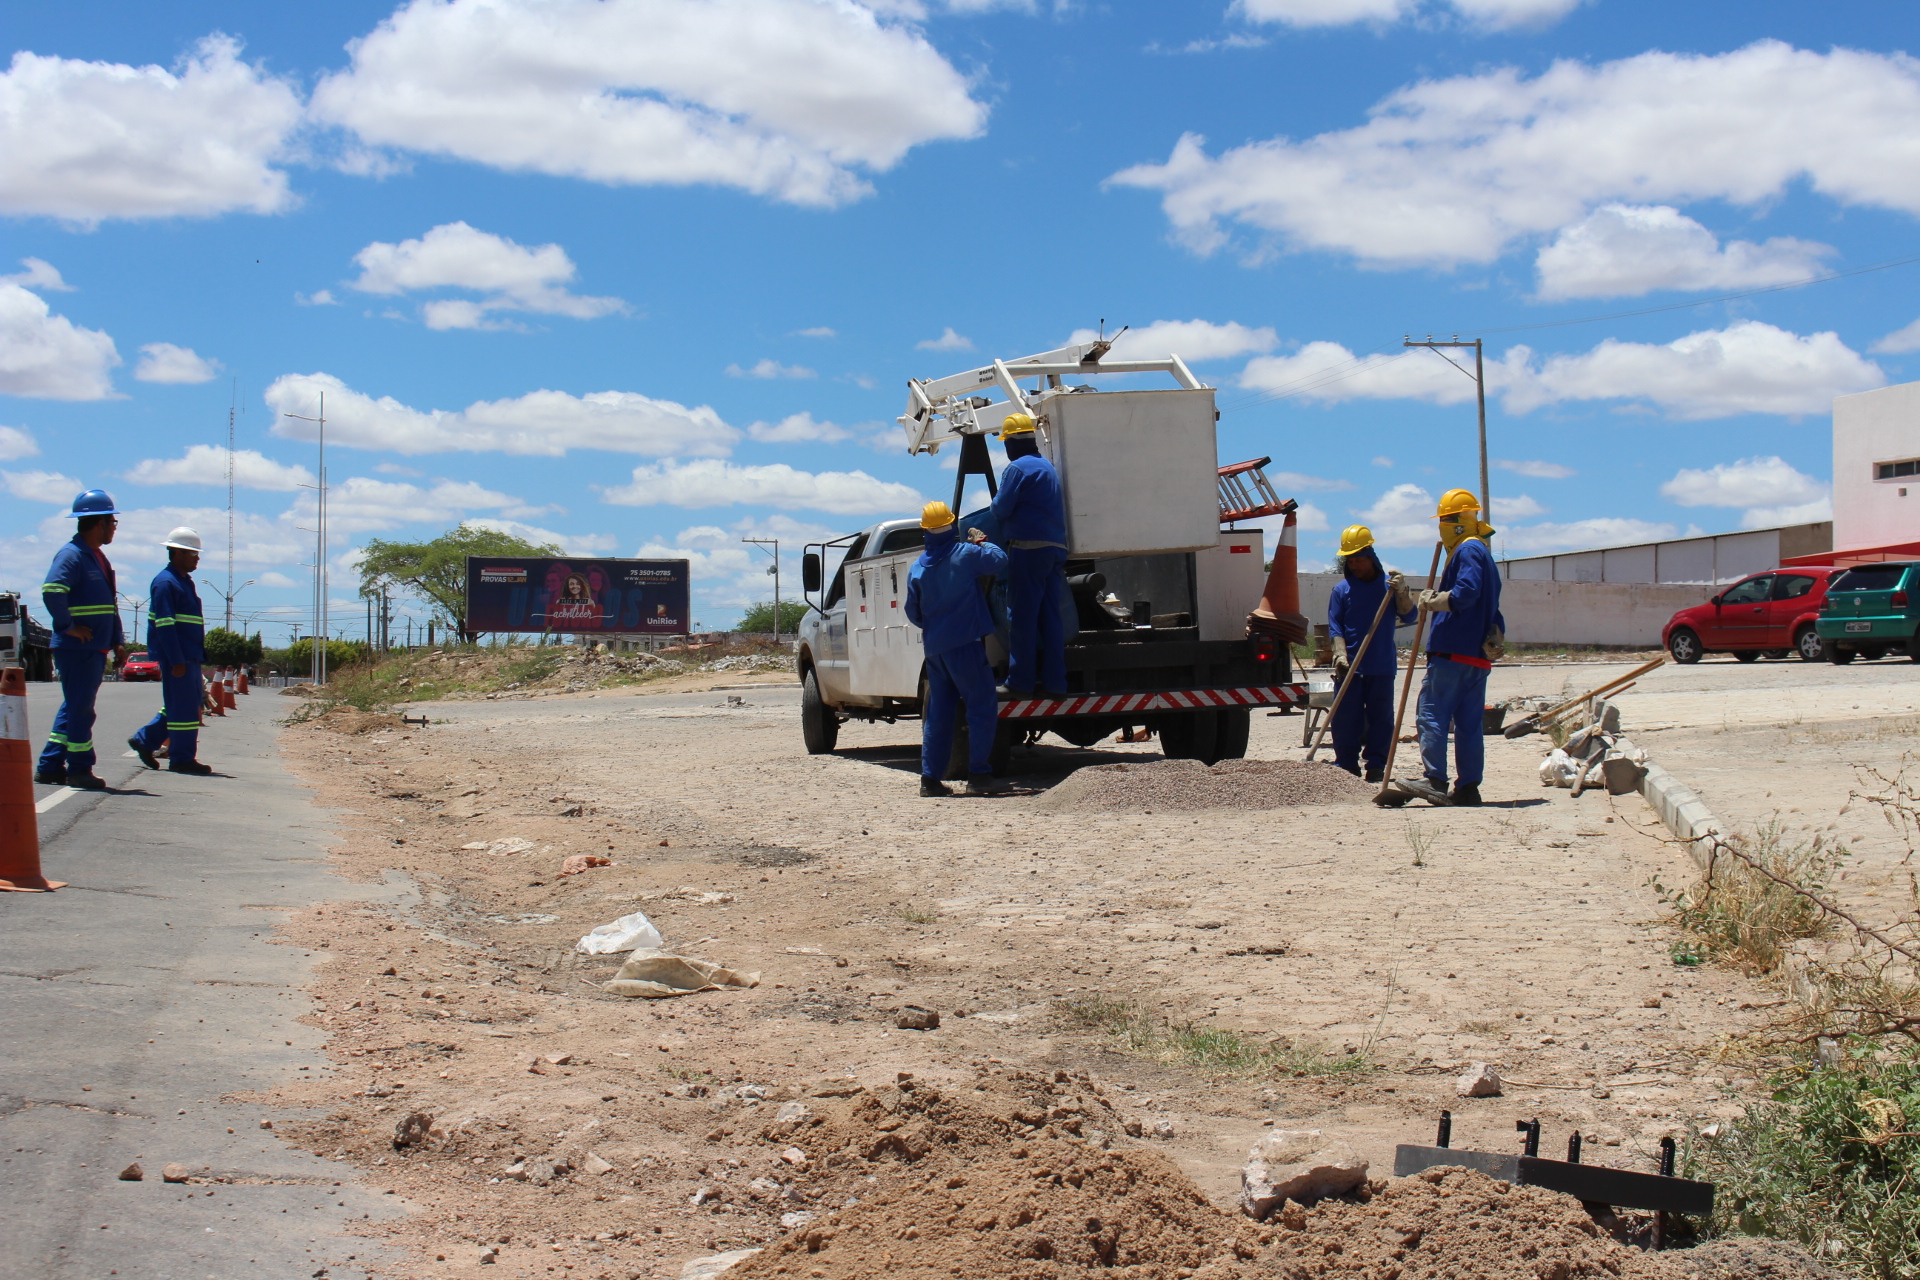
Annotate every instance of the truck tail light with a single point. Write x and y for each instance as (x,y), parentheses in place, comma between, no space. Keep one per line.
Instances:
(1265,648)
(1899,599)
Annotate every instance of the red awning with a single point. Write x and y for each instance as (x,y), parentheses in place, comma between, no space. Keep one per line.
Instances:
(1860,555)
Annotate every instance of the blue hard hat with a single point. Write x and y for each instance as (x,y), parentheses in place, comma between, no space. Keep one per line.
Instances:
(94,502)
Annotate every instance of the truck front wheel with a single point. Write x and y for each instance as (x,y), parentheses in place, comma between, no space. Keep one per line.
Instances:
(819,725)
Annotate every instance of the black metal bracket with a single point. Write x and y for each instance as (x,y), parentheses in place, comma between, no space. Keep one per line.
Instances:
(1621,1188)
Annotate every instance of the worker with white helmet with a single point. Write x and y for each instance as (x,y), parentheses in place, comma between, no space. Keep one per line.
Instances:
(1033,523)
(1468,634)
(176,632)
(82,598)
(946,601)
(1364,718)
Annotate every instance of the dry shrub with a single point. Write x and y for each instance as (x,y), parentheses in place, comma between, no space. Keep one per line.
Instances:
(1738,915)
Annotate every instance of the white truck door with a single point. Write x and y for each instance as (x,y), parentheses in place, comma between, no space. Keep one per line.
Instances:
(1227,581)
(890,668)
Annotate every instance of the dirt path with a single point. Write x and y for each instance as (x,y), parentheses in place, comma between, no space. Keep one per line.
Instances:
(1521,933)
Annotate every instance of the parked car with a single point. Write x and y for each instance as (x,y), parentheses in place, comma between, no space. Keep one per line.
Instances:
(1773,613)
(1872,608)
(140,666)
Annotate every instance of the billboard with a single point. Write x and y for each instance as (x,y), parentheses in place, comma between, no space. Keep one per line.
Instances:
(540,593)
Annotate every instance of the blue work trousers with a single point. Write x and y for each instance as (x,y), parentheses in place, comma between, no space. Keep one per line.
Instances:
(1036,601)
(954,677)
(178,725)
(1453,696)
(1364,719)
(70,746)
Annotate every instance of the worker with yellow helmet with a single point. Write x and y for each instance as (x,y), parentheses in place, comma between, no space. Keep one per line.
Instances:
(945,600)
(1033,523)
(1468,634)
(1364,718)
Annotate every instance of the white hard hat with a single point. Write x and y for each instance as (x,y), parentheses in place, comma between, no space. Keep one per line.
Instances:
(184,538)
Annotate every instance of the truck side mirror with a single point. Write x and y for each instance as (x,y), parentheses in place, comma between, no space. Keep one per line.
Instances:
(810,571)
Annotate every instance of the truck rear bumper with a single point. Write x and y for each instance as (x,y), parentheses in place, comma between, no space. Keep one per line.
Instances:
(1148,701)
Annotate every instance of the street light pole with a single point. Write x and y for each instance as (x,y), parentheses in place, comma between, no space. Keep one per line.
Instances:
(320,560)
(775,544)
(1479,376)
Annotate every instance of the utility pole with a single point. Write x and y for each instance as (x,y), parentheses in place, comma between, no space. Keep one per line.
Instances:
(1479,376)
(232,405)
(775,571)
(320,559)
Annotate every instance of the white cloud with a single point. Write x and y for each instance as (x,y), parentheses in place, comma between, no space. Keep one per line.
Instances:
(574,544)
(1518,507)
(1192,340)
(164,362)
(1454,171)
(319,298)
(770,369)
(818,331)
(786,98)
(947,341)
(712,483)
(361,504)
(42,486)
(1770,489)
(16,443)
(798,428)
(395,469)
(84,141)
(1534,469)
(207,464)
(1623,250)
(273,579)
(45,355)
(1748,367)
(39,274)
(1900,341)
(541,423)
(1383,461)
(1579,535)
(1494,14)
(259,542)
(455,255)
(1287,482)
(1402,517)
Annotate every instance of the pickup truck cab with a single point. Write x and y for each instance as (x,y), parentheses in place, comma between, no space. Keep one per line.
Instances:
(1772,613)
(1871,609)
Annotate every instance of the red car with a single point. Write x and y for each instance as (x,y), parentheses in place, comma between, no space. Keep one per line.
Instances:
(140,666)
(1769,613)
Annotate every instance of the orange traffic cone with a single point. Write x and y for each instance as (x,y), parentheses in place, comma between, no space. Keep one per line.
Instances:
(19,824)
(1279,611)
(243,680)
(219,706)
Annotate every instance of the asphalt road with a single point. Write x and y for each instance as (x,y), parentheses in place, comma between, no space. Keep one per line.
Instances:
(142,996)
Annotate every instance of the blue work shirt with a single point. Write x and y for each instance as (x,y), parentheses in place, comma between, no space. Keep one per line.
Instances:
(1473,581)
(1029,505)
(1350,612)
(176,632)
(944,598)
(80,592)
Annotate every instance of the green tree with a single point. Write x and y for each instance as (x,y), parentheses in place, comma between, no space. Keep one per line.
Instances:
(436,571)
(297,658)
(232,648)
(759,618)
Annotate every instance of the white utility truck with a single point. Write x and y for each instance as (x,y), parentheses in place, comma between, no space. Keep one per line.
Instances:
(1160,582)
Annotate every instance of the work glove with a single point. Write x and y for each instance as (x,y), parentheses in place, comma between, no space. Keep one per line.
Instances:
(1402,596)
(1436,601)
(1494,647)
(1340,661)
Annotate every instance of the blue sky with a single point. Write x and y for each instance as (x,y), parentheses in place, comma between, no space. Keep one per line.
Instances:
(649,276)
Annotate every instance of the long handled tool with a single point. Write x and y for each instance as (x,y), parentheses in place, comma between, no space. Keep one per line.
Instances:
(1353,669)
(1541,719)
(1413,661)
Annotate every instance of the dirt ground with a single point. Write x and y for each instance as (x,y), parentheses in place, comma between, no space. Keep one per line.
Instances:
(598,1136)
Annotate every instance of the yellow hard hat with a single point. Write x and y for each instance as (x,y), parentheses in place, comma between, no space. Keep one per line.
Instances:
(1017,424)
(1454,501)
(1357,537)
(936,515)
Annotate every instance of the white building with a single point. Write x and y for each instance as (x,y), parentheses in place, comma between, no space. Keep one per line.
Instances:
(1876,468)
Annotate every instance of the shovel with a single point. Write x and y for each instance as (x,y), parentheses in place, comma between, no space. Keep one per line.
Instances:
(1541,719)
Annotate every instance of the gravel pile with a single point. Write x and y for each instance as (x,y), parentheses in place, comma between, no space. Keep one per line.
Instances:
(1163,785)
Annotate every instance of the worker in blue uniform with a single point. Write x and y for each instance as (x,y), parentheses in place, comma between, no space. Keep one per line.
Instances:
(946,601)
(82,598)
(176,634)
(1469,633)
(1364,718)
(1033,521)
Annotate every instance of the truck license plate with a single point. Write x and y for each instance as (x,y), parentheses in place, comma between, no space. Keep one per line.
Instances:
(1859,626)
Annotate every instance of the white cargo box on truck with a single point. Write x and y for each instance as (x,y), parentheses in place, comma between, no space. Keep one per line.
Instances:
(1137,470)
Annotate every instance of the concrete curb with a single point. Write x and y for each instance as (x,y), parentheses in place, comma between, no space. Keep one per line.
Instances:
(1681,809)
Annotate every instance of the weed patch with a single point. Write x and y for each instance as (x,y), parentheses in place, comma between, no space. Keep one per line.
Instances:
(1131,1029)
(1738,916)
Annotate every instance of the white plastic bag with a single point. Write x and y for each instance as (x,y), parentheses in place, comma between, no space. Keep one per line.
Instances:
(628,933)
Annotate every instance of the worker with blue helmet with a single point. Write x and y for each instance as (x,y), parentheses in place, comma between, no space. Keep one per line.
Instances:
(176,639)
(81,596)
(946,600)
(1032,516)
(1364,719)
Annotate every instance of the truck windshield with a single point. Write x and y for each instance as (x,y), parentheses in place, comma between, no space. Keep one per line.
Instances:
(1870,577)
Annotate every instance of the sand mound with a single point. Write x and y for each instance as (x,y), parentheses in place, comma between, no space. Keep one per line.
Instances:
(1164,785)
(352,721)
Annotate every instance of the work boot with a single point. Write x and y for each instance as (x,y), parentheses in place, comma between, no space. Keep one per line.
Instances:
(1376,775)
(933,787)
(189,766)
(985,784)
(48,778)
(86,782)
(1425,788)
(1353,769)
(147,757)
(1465,793)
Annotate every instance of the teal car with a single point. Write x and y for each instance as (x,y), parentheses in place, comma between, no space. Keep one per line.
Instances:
(1871,610)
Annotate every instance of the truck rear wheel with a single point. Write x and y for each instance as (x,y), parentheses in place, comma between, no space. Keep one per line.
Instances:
(819,725)
(1190,736)
(1231,730)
